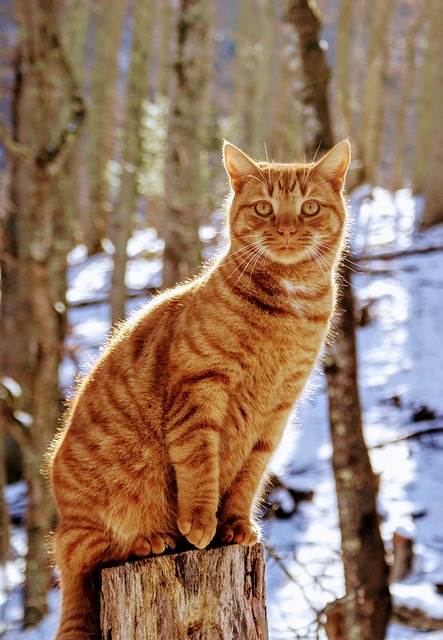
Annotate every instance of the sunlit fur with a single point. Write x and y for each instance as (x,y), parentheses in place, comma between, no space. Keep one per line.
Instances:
(169,436)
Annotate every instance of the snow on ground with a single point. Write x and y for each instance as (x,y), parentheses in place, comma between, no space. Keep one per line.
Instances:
(400,368)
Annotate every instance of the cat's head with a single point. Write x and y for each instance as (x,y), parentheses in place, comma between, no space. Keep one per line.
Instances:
(288,213)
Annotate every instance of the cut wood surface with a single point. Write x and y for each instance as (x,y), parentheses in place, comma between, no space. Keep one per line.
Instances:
(214,594)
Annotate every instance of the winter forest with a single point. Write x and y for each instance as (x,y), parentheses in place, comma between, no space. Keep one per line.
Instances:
(112,188)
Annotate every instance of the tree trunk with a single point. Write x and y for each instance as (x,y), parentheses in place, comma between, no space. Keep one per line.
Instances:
(164,53)
(401,134)
(136,92)
(109,18)
(304,16)
(75,27)
(433,184)
(186,143)
(371,121)
(4,515)
(429,74)
(367,602)
(47,116)
(343,68)
(215,594)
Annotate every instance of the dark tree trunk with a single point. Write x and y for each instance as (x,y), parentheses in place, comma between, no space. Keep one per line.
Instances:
(189,92)
(367,600)
(304,16)
(47,114)
(132,154)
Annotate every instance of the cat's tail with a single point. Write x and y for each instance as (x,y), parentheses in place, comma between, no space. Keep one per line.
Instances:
(80,616)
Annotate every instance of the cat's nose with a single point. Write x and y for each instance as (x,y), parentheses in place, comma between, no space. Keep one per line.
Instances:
(286,230)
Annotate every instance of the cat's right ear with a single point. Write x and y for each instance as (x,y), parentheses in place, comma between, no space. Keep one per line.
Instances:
(238,165)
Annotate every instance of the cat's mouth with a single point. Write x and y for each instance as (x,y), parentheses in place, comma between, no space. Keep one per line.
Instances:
(289,252)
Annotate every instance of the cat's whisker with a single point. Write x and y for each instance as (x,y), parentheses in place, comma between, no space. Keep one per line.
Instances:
(241,252)
(316,152)
(320,261)
(250,256)
(249,252)
(247,265)
(261,252)
(357,273)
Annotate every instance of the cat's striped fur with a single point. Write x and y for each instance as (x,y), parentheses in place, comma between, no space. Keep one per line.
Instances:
(169,435)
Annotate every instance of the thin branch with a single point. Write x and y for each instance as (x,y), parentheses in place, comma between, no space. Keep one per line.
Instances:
(391,255)
(53,153)
(16,429)
(408,436)
(12,145)
(415,618)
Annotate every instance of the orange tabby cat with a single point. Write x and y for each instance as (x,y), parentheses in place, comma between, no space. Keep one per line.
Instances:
(169,436)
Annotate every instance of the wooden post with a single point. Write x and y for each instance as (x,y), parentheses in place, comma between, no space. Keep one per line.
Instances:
(214,594)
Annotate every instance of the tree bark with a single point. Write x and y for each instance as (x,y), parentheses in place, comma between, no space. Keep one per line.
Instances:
(215,594)
(401,141)
(433,184)
(48,112)
(4,515)
(367,600)
(186,142)
(430,76)
(367,603)
(304,16)
(372,110)
(136,92)
(109,19)
(164,52)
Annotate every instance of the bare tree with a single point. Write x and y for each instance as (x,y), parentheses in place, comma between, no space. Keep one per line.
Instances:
(372,109)
(367,601)
(136,91)
(4,515)
(342,70)
(414,29)
(48,112)
(108,23)
(429,153)
(186,142)
(305,18)
(164,50)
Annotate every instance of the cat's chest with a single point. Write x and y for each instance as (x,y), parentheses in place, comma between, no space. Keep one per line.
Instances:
(307,300)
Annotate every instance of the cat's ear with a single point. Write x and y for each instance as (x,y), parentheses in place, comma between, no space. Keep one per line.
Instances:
(334,165)
(238,165)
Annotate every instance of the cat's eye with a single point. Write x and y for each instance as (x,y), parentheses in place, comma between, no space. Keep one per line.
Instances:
(310,208)
(263,208)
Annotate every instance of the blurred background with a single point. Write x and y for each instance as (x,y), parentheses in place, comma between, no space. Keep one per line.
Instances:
(112,118)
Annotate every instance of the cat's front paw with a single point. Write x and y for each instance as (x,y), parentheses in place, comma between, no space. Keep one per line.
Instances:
(240,531)
(154,544)
(197,527)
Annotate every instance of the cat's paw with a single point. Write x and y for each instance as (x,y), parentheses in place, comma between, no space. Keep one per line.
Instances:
(197,527)
(240,531)
(154,544)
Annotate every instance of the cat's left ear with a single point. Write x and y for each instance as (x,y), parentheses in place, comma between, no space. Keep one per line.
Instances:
(334,165)
(238,165)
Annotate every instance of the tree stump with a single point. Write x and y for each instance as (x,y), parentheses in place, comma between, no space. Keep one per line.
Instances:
(214,594)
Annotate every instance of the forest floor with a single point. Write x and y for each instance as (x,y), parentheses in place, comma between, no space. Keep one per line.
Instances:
(398,285)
